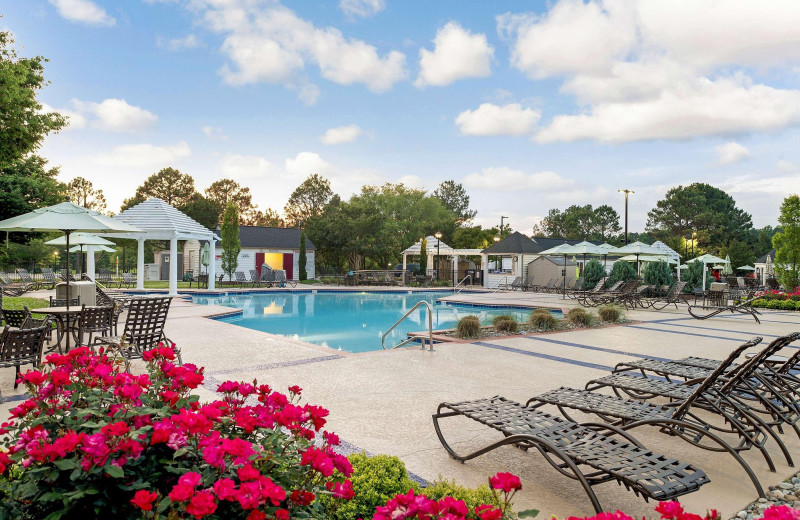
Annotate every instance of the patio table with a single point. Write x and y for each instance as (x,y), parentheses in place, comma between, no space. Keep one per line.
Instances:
(65,324)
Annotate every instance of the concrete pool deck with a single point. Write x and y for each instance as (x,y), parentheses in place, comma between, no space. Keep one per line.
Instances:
(382,402)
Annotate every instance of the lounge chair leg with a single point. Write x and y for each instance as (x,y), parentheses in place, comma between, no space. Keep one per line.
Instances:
(16,377)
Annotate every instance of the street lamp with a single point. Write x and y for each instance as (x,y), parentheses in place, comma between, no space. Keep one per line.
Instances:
(626,192)
(694,237)
(501,224)
(438,236)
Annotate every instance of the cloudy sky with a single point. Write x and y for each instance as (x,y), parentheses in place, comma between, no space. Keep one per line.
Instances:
(531,105)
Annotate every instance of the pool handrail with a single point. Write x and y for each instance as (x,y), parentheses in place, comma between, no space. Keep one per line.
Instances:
(406,315)
(459,284)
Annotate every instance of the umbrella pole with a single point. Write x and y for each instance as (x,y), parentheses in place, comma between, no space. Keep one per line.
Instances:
(564,282)
(69,291)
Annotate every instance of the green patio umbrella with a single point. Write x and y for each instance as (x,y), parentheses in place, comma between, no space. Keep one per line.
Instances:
(746,268)
(104,249)
(69,218)
(80,240)
(637,248)
(707,259)
(727,270)
(205,255)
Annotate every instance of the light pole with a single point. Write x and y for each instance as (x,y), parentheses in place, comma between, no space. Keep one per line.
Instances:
(496,240)
(438,236)
(626,192)
(501,225)
(694,237)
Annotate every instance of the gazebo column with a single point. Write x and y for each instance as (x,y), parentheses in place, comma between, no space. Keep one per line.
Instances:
(90,262)
(140,264)
(485,262)
(212,267)
(455,270)
(405,257)
(173,265)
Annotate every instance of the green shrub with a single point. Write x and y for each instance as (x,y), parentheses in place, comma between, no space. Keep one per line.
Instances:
(693,276)
(621,271)
(440,488)
(789,305)
(579,317)
(774,304)
(609,313)
(468,327)
(543,320)
(505,323)
(593,273)
(657,273)
(376,480)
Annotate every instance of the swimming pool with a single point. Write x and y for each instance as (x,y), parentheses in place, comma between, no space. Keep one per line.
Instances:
(348,321)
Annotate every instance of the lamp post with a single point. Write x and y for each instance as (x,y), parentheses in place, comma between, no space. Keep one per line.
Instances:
(626,192)
(694,237)
(438,236)
(496,240)
(501,225)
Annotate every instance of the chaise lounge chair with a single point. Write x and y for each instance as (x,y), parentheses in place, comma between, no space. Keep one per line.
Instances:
(12,288)
(568,446)
(703,312)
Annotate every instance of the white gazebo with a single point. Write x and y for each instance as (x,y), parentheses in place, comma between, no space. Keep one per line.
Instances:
(442,250)
(674,256)
(160,221)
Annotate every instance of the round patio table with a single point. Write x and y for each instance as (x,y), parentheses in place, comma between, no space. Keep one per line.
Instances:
(65,323)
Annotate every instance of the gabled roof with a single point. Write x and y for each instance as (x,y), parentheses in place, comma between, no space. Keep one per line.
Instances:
(514,244)
(272,238)
(416,249)
(161,221)
(763,259)
(548,243)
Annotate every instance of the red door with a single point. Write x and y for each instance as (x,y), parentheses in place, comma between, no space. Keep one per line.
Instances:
(259,263)
(288,265)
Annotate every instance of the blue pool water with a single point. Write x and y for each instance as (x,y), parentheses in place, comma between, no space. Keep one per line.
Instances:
(349,321)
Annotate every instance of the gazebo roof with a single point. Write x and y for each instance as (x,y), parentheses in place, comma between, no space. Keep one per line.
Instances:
(514,244)
(161,221)
(668,251)
(416,249)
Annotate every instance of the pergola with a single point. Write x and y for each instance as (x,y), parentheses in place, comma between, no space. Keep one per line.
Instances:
(442,250)
(160,221)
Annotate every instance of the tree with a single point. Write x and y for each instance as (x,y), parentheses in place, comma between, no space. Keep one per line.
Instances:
(81,191)
(170,185)
(423,257)
(622,270)
(308,200)
(227,190)
(740,252)
(301,258)
(27,184)
(230,240)
(606,223)
(268,218)
(699,208)
(787,244)
(23,124)
(693,276)
(579,222)
(657,274)
(454,197)
(592,273)
(474,237)
(203,210)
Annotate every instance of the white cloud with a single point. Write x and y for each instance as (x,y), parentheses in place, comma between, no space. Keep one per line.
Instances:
(244,166)
(308,94)
(214,132)
(705,107)
(116,115)
(76,119)
(641,69)
(83,11)
(306,163)
(457,54)
(143,155)
(272,44)
(342,134)
(490,119)
(507,179)
(190,41)
(412,181)
(363,8)
(731,152)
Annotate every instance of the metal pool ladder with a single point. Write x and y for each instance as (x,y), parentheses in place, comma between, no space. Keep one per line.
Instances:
(409,340)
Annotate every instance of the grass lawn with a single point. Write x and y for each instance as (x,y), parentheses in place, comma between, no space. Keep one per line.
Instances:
(17,302)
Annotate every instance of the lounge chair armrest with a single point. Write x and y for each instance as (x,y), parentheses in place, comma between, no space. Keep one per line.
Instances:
(599,427)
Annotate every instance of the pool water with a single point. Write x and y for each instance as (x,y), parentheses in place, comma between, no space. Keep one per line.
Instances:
(348,321)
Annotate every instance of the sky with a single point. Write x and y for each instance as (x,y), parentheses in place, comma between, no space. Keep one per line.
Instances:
(530,105)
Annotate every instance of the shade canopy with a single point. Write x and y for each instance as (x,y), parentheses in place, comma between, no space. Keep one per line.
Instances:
(80,239)
(727,269)
(561,249)
(205,255)
(583,248)
(708,259)
(66,217)
(97,249)
(649,258)
(636,248)
(746,268)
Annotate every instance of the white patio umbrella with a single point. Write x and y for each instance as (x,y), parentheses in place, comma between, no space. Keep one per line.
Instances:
(727,270)
(104,249)
(205,256)
(707,259)
(746,268)
(80,240)
(69,218)
(637,248)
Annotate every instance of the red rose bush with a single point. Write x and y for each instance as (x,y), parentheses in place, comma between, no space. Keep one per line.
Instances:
(94,441)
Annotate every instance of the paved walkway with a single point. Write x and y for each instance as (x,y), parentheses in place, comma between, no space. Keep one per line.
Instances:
(382,402)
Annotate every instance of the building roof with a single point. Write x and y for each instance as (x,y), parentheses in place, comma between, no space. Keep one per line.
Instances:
(416,249)
(161,221)
(517,243)
(272,238)
(763,259)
